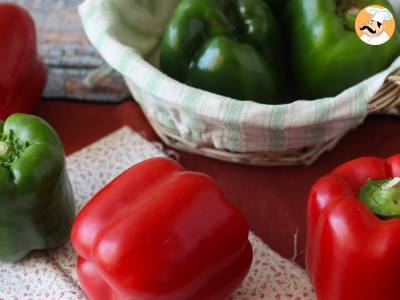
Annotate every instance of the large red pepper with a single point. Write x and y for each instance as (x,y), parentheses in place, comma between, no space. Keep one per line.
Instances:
(22,72)
(353,246)
(159,232)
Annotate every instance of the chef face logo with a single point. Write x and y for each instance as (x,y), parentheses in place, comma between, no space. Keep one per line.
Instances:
(375,25)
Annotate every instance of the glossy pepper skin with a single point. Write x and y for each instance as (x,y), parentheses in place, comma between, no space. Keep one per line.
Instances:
(158,232)
(229,47)
(327,55)
(352,254)
(22,72)
(36,199)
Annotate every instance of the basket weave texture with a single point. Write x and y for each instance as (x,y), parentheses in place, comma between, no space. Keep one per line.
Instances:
(189,119)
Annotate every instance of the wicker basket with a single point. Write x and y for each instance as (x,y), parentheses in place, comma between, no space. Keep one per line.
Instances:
(207,124)
(385,100)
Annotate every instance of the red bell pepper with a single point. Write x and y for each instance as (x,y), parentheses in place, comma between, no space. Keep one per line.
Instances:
(353,244)
(22,72)
(159,232)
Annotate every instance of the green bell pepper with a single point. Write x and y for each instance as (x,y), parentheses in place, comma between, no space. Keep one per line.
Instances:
(229,47)
(327,55)
(36,199)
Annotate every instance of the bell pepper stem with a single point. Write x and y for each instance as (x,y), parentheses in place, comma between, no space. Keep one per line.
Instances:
(349,19)
(349,15)
(11,149)
(382,196)
(4,149)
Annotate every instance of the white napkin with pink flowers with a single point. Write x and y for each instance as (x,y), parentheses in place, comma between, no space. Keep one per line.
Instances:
(52,274)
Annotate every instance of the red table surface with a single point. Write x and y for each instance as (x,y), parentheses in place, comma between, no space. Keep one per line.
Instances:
(272,199)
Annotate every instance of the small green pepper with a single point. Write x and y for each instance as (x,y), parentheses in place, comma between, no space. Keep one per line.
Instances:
(36,199)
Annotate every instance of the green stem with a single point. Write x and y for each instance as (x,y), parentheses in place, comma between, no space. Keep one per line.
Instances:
(348,11)
(4,149)
(11,148)
(382,196)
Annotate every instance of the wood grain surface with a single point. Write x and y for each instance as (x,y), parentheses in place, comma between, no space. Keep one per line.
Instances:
(68,54)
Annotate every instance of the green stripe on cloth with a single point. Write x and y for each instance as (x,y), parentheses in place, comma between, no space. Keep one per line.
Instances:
(100,39)
(191,99)
(123,60)
(320,117)
(231,115)
(189,102)
(153,82)
(276,124)
(152,86)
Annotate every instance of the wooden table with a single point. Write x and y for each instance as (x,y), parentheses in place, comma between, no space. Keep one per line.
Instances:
(273,199)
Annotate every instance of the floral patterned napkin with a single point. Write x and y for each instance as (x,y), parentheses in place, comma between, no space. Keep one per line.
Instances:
(52,274)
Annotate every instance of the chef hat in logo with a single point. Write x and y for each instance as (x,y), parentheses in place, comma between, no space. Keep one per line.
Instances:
(379,14)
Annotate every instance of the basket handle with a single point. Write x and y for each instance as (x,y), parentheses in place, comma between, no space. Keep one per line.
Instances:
(387,99)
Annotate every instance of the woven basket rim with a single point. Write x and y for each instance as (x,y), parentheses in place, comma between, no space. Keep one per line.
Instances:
(305,104)
(304,156)
(169,81)
(387,98)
